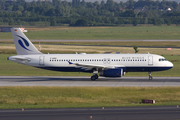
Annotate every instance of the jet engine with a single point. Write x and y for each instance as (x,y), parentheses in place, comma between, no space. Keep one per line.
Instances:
(112,73)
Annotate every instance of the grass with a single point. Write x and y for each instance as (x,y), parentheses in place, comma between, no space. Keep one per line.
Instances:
(139,32)
(124,43)
(109,43)
(63,97)
(10,49)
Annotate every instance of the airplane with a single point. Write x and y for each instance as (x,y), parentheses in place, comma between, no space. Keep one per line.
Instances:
(107,65)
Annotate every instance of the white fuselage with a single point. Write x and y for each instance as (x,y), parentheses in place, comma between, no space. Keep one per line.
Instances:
(128,62)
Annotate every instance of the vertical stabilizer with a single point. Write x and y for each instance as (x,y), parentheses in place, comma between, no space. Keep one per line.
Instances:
(23,45)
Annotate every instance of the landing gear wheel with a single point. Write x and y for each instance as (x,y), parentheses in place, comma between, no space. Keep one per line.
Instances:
(150,77)
(96,76)
(93,78)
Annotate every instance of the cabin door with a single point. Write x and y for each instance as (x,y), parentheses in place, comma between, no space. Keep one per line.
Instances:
(150,60)
(41,60)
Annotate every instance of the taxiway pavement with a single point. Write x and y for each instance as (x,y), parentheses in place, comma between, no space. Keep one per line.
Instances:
(114,113)
(71,81)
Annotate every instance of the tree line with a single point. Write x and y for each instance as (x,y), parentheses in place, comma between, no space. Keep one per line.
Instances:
(81,13)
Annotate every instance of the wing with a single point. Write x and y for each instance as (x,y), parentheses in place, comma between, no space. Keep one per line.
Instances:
(91,66)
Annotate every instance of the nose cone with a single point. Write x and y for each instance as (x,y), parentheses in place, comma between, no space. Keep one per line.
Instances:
(170,65)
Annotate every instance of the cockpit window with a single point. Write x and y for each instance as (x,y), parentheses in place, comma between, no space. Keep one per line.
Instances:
(162,59)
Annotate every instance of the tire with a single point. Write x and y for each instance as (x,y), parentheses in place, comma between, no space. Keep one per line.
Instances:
(93,78)
(150,77)
(96,76)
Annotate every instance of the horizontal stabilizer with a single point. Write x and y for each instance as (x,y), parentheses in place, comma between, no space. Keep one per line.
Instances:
(18,59)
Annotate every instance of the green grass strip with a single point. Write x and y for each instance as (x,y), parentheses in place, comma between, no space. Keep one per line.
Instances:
(64,97)
(138,32)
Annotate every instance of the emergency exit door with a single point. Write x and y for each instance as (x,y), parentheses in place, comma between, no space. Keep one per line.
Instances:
(41,60)
(150,60)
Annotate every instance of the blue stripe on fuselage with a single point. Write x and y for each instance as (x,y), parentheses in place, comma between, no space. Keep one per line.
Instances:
(146,69)
(125,69)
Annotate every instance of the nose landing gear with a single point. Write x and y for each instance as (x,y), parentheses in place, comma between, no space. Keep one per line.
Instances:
(150,76)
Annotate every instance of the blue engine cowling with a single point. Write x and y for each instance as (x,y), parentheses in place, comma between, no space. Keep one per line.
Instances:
(111,73)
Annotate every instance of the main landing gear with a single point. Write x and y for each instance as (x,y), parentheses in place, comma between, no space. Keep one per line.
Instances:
(94,77)
(150,77)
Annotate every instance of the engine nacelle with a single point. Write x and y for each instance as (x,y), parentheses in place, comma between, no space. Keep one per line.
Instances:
(112,73)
